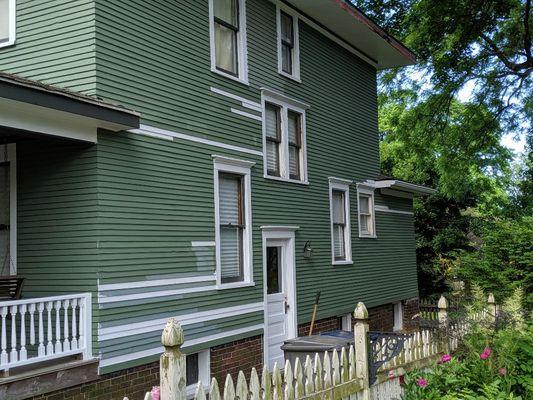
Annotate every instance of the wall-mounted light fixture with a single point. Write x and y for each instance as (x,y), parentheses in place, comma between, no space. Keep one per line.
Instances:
(308,250)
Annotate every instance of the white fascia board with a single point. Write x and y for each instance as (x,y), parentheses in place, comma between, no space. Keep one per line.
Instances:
(403,186)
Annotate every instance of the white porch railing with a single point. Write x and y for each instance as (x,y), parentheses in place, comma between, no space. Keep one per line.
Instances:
(45,328)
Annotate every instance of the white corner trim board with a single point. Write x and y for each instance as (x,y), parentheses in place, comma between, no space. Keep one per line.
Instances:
(136,328)
(386,209)
(170,135)
(188,343)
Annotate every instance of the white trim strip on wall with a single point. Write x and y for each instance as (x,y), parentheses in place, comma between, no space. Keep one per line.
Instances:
(245,114)
(155,282)
(250,103)
(200,243)
(149,295)
(386,209)
(137,328)
(169,135)
(188,343)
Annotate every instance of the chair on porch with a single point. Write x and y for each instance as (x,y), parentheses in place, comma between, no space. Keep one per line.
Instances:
(11,287)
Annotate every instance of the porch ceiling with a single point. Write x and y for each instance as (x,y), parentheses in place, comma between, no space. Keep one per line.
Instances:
(28,108)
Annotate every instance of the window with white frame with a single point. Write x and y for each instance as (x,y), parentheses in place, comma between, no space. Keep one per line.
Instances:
(284,141)
(288,44)
(339,196)
(398,316)
(228,38)
(7,22)
(197,369)
(233,234)
(365,206)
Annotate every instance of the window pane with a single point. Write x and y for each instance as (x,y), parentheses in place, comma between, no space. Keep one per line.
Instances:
(226,48)
(364,202)
(286,28)
(338,242)
(272,158)
(5,257)
(294,162)
(191,361)
(272,119)
(286,59)
(294,127)
(4,20)
(364,223)
(231,254)
(273,270)
(229,188)
(226,10)
(337,199)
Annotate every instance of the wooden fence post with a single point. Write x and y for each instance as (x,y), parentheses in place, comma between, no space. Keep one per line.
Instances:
(491,314)
(362,348)
(172,363)
(443,322)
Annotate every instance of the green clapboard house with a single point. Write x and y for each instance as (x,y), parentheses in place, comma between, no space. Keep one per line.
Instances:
(215,161)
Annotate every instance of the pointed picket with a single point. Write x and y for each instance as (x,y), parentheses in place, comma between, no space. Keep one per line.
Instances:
(200,392)
(309,376)
(351,359)
(277,391)
(345,366)
(214,392)
(299,388)
(242,386)
(255,386)
(288,377)
(336,365)
(319,373)
(266,384)
(229,388)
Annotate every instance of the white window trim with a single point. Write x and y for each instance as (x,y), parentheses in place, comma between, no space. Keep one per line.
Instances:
(367,191)
(398,316)
(12,159)
(12,24)
(204,372)
(241,167)
(296,49)
(342,185)
(242,49)
(286,104)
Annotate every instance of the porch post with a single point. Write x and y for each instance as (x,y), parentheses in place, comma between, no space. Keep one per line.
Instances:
(172,363)
(361,329)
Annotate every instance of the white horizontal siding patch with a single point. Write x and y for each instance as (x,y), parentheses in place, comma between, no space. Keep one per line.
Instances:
(154,282)
(248,115)
(245,102)
(102,299)
(154,325)
(390,210)
(188,343)
(203,243)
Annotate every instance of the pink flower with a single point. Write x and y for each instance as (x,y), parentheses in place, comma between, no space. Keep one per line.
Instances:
(155,393)
(421,382)
(486,353)
(502,372)
(445,358)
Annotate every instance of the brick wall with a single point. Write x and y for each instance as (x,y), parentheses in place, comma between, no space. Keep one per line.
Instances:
(323,325)
(132,383)
(381,318)
(411,310)
(230,358)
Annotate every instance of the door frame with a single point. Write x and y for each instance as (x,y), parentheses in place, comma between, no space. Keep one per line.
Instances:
(285,234)
(12,159)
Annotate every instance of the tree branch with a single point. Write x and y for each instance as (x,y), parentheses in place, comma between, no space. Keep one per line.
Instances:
(527,37)
(515,67)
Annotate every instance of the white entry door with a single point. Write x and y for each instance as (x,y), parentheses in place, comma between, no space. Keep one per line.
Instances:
(280,288)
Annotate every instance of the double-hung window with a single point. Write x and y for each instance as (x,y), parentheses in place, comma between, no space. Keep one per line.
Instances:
(233,220)
(365,206)
(288,44)
(228,38)
(341,244)
(284,141)
(7,22)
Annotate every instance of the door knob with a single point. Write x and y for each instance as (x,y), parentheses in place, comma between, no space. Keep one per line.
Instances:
(287,306)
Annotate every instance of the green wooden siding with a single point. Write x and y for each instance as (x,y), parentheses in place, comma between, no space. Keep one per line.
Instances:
(55,43)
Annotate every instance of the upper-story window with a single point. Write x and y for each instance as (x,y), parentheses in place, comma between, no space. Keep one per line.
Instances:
(233,215)
(284,139)
(228,38)
(341,243)
(365,206)
(7,22)
(288,44)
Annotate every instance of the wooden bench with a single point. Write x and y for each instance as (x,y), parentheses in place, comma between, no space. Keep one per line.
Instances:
(11,287)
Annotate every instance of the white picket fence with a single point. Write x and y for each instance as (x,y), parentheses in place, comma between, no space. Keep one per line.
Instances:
(331,376)
(42,329)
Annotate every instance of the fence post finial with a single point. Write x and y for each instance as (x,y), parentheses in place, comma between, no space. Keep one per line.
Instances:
(361,348)
(172,363)
(492,308)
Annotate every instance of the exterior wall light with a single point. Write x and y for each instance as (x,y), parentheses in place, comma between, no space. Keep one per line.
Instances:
(308,250)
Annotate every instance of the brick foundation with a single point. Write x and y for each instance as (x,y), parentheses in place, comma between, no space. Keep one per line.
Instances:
(411,310)
(132,383)
(230,358)
(323,325)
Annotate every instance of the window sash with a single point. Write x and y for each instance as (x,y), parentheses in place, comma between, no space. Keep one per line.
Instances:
(287,42)
(366,215)
(295,143)
(228,63)
(5,16)
(338,221)
(273,139)
(339,242)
